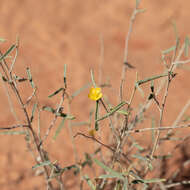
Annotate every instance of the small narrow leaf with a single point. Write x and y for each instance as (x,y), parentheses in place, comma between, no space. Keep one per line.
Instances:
(60,114)
(13,133)
(141,10)
(187,43)
(137,3)
(156,180)
(175,30)
(56,92)
(115,109)
(153,131)
(140,90)
(33,111)
(151,79)
(46,163)
(140,148)
(59,129)
(123,112)
(89,182)
(152,86)
(109,170)
(96,115)
(30,77)
(186,118)
(106,176)
(2,40)
(75,167)
(48,108)
(145,159)
(76,93)
(92,78)
(169,50)
(64,75)
(8,52)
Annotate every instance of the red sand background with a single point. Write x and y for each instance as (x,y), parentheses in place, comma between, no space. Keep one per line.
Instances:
(54,33)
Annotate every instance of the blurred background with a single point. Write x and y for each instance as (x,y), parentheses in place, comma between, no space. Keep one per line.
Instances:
(54,33)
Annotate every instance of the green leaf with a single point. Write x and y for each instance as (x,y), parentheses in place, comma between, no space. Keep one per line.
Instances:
(48,108)
(153,131)
(13,133)
(75,167)
(119,185)
(56,92)
(140,90)
(111,172)
(60,114)
(151,78)
(70,117)
(46,163)
(145,187)
(186,118)
(154,180)
(33,111)
(187,43)
(96,115)
(82,123)
(64,75)
(30,77)
(137,3)
(141,10)
(144,159)
(8,52)
(175,30)
(76,93)
(2,40)
(122,112)
(92,78)
(106,176)
(89,182)
(140,148)
(139,157)
(169,50)
(59,129)
(115,109)
(125,185)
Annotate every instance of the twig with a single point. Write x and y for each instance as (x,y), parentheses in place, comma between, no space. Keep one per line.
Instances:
(177,184)
(125,59)
(52,122)
(179,116)
(162,128)
(181,62)
(161,115)
(29,128)
(93,138)
(13,127)
(71,135)
(181,113)
(172,67)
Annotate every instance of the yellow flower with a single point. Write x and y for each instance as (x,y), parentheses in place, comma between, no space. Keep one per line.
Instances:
(95,93)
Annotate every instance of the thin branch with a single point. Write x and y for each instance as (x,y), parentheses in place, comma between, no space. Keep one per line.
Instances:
(125,59)
(13,127)
(177,184)
(93,138)
(20,101)
(172,67)
(52,124)
(181,62)
(162,128)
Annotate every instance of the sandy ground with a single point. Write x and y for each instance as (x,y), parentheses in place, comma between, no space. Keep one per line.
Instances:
(54,33)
